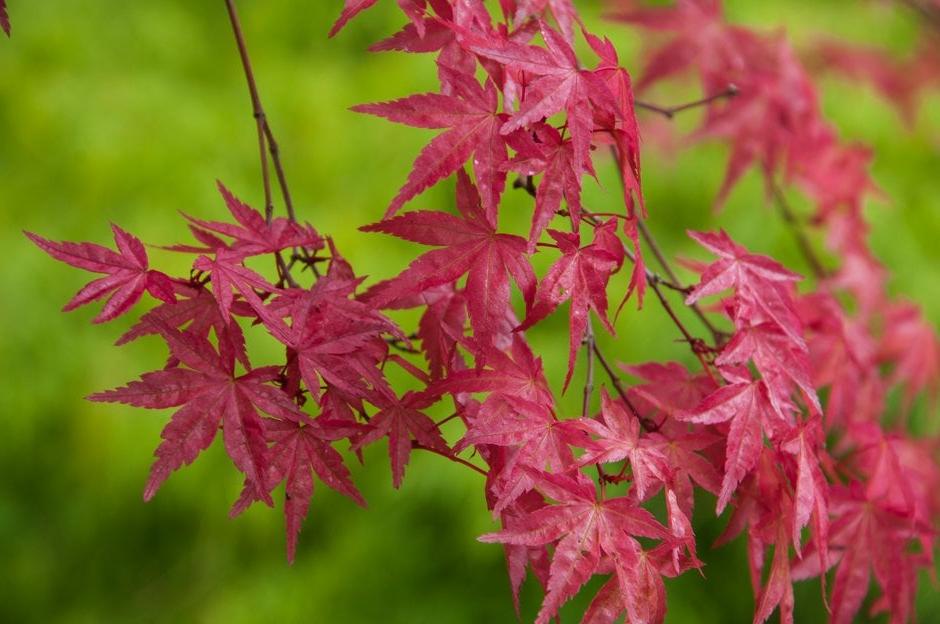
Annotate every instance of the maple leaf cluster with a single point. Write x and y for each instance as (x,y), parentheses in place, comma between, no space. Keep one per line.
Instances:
(786,424)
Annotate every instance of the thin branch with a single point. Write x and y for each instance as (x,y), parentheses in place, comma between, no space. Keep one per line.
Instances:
(279,171)
(266,143)
(670,111)
(589,370)
(256,108)
(801,240)
(265,134)
(615,380)
(717,335)
(699,348)
(416,445)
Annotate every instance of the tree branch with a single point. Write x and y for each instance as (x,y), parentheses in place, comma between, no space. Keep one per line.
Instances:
(266,142)
(670,111)
(801,240)
(589,370)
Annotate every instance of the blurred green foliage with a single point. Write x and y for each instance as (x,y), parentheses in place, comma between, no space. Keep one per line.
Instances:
(128,112)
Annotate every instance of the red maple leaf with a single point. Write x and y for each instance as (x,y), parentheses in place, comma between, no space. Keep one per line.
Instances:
(471,246)
(581,274)
(759,281)
(545,151)
(251,234)
(229,276)
(866,537)
(585,529)
(781,363)
(198,311)
(301,448)
(671,390)
(209,395)
(748,408)
(127,272)
(517,373)
(563,10)
(538,438)
(561,85)
(400,420)
(618,433)
(339,340)
(473,121)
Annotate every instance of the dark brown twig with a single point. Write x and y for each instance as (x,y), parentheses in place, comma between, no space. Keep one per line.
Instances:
(453,458)
(266,142)
(670,111)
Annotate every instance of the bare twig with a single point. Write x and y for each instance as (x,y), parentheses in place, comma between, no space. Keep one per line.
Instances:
(416,445)
(670,111)
(801,240)
(266,143)
(717,335)
(589,370)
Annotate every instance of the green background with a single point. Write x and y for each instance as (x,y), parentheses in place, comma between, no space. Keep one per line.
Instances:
(128,112)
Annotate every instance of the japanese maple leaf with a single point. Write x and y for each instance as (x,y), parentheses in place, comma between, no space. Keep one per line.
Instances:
(581,274)
(585,529)
(532,429)
(209,395)
(414,9)
(757,278)
(471,245)
(780,363)
(892,78)
(473,121)
(517,373)
(618,433)
(563,10)
(198,310)
(561,86)
(251,234)
(747,407)
(864,538)
(401,421)
(671,389)
(127,273)
(911,343)
(4,18)
(301,448)
(440,329)
(811,499)
(778,591)
(545,151)
(229,276)
(339,340)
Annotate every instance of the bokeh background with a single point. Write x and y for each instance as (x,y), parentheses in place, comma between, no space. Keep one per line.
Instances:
(128,112)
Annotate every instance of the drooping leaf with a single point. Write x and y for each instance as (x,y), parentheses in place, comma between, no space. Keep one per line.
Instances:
(581,275)
(473,121)
(209,395)
(127,273)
